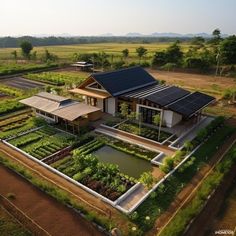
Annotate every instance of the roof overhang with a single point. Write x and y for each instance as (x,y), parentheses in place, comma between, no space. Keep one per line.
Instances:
(90,93)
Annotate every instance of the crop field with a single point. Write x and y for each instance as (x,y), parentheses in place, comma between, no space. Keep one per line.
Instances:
(58,78)
(43,142)
(66,51)
(104,178)
(13,126)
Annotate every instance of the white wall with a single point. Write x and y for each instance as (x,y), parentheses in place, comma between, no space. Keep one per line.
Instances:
(176,118)
(100,103)
(171,118)
(167,118)
(111,106)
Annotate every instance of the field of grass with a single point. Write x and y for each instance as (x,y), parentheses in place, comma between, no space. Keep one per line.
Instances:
(66,51)
(9,226)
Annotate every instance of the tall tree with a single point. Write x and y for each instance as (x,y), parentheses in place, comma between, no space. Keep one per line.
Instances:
(174,53)
(228,50)
(141,51)
(125,53)
(26,48)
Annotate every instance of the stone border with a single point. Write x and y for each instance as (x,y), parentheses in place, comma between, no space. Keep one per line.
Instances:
(155,159)
(141,200)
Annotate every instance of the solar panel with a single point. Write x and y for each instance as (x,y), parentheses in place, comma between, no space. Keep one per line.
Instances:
(190,104)
(124,80)
(167,96)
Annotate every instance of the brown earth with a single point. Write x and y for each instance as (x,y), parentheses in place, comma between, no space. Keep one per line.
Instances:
(52,216)
(212,84)
(91,202)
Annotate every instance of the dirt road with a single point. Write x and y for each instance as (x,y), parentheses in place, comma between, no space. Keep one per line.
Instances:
(91,202)
(52,216)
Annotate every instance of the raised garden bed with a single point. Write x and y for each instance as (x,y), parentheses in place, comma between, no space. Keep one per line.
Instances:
(43,142)
(144,131)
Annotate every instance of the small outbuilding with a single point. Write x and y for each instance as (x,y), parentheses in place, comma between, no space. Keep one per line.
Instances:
(63,111)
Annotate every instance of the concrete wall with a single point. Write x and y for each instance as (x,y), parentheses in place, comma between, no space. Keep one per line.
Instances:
(111,106)
(176,118)
(171,118)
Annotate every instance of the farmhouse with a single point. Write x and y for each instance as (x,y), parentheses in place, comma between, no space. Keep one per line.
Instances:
(63,111)
(143,94)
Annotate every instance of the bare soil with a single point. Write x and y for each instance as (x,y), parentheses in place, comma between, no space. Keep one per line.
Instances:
(55,218)
(91,202)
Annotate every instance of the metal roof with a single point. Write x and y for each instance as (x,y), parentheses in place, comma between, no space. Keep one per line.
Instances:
(190,104)
(125,80)
(63,107)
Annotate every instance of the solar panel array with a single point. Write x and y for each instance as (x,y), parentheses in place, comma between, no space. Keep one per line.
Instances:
(143,92)
(124,80)
(190,104)
(167,96)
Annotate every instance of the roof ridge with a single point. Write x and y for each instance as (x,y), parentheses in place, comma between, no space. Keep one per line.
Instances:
(120,70)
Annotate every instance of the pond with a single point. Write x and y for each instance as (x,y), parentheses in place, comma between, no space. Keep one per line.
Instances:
(128,164)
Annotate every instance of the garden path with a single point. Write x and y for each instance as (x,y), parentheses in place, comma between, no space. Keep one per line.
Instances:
(133,198)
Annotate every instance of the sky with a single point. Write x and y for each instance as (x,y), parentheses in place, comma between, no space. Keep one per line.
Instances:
(96,17)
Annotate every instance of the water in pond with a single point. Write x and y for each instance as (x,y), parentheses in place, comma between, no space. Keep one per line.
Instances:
(128,164)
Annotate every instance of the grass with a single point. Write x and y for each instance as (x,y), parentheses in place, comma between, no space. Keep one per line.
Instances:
(10,227)
(165,194)
(185,215)
(66,51)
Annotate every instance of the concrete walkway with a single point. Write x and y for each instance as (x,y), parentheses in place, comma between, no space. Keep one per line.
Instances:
(191,134)
(133,198)
(137,140)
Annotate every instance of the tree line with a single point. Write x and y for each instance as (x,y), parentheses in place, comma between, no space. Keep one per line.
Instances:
(12,42)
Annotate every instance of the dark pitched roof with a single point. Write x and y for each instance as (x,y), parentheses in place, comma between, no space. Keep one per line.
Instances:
(125,80)
(190,104)
(167,95)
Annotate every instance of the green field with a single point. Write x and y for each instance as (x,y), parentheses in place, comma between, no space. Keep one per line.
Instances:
(66,51)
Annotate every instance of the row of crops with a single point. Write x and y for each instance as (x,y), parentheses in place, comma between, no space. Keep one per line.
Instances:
(16,125)
(57,78)
(43,142)
(106,179)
